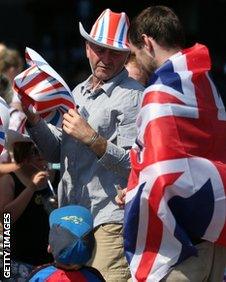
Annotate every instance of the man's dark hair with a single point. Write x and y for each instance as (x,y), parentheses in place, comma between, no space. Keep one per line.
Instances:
(160,23)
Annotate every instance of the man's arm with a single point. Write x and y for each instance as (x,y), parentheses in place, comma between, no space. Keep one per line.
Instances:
(113,156)
(46,137)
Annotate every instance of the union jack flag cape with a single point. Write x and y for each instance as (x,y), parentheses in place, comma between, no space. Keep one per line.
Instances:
(177,186)
(42,89)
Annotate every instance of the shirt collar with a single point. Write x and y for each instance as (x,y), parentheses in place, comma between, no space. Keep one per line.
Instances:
(107,87)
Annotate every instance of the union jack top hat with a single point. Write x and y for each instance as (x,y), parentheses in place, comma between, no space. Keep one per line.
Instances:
(109,30)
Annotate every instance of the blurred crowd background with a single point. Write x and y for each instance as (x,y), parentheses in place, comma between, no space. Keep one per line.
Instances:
(51,28)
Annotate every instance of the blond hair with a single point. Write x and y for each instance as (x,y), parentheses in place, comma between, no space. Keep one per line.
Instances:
(10,58)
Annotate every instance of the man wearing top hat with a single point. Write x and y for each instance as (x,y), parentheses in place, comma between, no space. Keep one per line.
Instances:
(94,145)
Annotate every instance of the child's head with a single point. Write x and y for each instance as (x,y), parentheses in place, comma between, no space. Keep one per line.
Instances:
(21,148)
(71,236)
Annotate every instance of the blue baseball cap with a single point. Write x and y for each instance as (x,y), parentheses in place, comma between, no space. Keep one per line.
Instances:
(70,236)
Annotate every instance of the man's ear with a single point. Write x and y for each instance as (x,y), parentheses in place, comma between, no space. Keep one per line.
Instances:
(147,42)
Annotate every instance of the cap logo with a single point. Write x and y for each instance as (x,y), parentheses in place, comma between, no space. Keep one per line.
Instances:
(73,218)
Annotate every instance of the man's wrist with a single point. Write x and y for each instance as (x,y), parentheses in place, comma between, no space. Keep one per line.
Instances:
(99,146)
(93,139)
(32,123)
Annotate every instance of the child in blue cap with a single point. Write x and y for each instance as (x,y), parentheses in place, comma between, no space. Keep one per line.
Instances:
(71,243)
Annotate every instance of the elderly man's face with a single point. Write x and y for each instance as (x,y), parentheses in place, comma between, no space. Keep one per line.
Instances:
(105,62)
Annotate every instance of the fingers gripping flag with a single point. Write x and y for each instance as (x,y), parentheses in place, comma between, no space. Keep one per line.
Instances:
(42,90)
(4,122)
(177,187)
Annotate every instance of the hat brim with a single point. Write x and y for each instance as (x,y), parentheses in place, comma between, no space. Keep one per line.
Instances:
(90,39)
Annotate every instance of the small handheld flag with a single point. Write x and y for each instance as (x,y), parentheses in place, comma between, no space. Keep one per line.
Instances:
(42,90)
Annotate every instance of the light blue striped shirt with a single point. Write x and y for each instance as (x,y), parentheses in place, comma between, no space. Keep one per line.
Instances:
(86,180)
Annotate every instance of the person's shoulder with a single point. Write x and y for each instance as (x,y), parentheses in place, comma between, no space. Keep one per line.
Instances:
(130,83)
(129,90)
(47,271)
(127,95)
(41,272)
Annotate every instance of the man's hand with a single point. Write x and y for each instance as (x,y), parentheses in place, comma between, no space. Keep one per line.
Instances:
(32,118)
(75,126)
(120,198)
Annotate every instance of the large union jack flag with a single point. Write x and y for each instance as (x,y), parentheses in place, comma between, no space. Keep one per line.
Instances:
(177,186)
(42,90)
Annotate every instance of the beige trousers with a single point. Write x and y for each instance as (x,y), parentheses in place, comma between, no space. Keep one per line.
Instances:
(209,266)
(108,256)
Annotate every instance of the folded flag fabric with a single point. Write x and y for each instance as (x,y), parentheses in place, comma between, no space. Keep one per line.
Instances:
(4,122)
(177,187)
(42,90)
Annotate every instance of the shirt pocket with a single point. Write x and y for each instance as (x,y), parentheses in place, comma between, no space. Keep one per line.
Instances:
(104,122)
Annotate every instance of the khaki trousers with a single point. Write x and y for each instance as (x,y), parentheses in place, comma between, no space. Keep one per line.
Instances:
(208,266)
(108,256)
